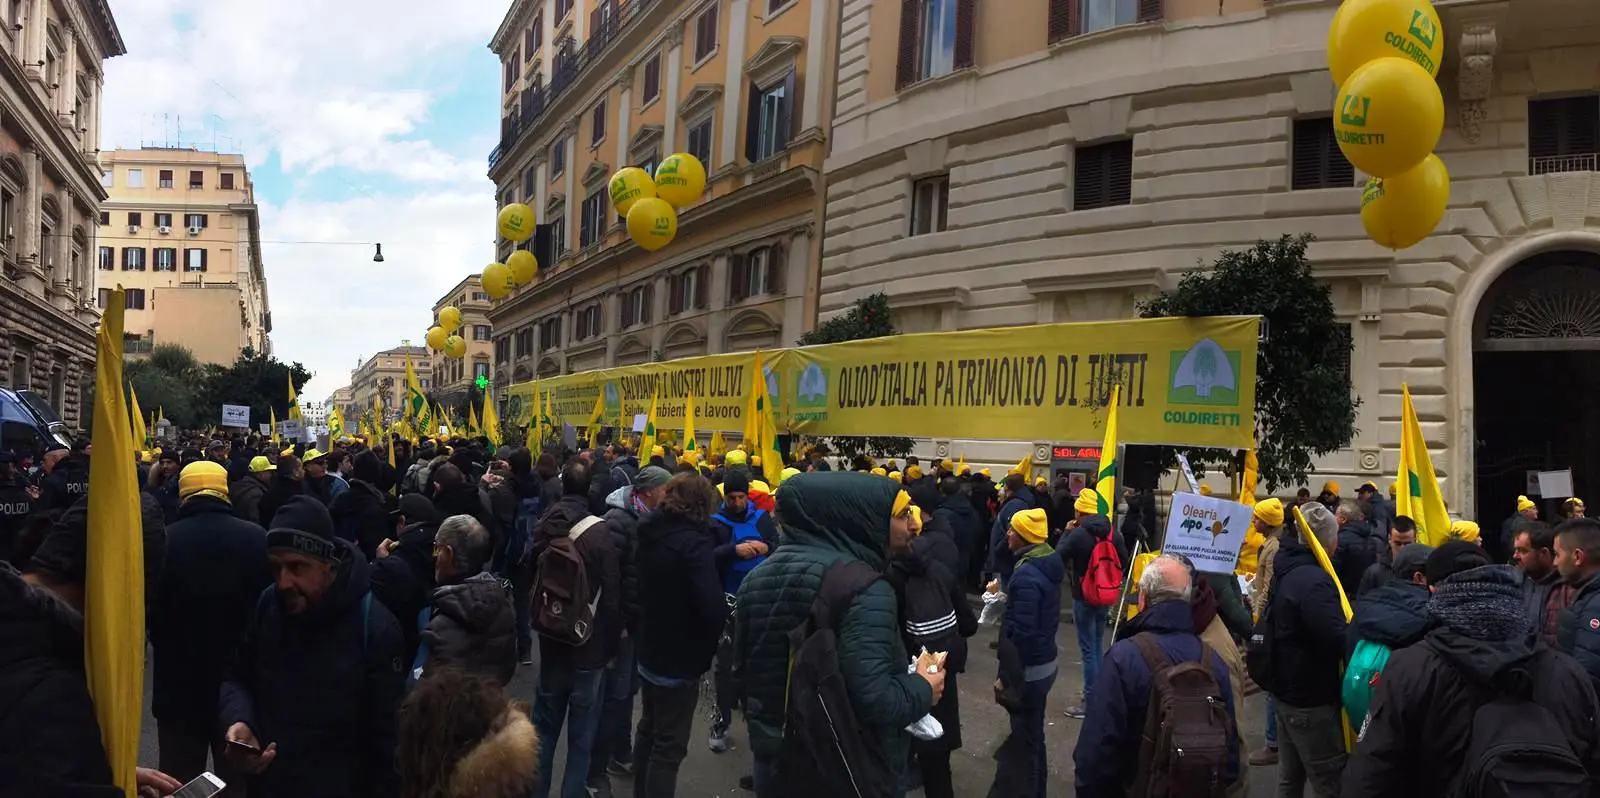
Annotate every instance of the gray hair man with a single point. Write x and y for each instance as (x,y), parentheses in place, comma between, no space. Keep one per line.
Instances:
(470,623)
(1358,547)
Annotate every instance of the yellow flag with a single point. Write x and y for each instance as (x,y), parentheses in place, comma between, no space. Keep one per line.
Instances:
(294,401)
(1419,497)
(1105,480)
(752,419)
(141,434)
(416,402)
(766,440)
(1250,550)
(473,430)
(1252,477)
(719,446)
(596,415)
(1023,466)
(113,615)
(689,444)
(491,420)
(272,415)
(1315,545)
(335,425)
(648,440)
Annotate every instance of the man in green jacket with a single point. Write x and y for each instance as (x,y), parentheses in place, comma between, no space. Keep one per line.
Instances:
(827,518)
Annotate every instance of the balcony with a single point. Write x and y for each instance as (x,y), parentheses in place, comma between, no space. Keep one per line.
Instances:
(607,23)
(1578,162)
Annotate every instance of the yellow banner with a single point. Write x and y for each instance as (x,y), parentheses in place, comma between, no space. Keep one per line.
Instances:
(1184,382)
(718,383)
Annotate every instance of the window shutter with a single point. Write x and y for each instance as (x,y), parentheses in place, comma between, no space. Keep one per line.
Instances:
(775,265)
(1119,173)
(1063,22)
(1150,11)
(675,287)
(702,285)
(594,23)
(738,278)
(910,24)
(752,129)
(966,20)
(786,110)
(204,258)
(1088,179)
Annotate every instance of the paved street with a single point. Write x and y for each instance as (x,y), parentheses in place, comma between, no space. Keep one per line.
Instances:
(983,728)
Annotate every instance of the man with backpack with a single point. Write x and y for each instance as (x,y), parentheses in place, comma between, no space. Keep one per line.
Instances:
(1096,574)
(576,609)
(1033,612)
(1385,620)
(1475,709)
(1162,719)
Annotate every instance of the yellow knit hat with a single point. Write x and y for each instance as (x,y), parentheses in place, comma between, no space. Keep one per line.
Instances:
(1032,524)
(913,473)
(787,472)
(755,461)
(894,475)
(902,500)
(1088,502)
(658,451)
(880,472)
(1269,512)
(1525,503)
(1464,530)
(1205,490)
(1330,487)
(203,478)
(963,470)
(736,457)
(916,520)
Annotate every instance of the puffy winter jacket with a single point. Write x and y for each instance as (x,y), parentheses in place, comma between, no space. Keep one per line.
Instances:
(361,516)
(1357,551)
(1000,559)
(828,518)
(622,516)
(1578,630)
(473,627)
(966,527)
(1309,627)
(1395,615)
(1033,609)
(247,495)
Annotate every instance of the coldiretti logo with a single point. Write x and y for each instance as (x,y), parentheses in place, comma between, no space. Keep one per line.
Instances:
(811,394)
(1205,375)
(1423,29)
(1354,112)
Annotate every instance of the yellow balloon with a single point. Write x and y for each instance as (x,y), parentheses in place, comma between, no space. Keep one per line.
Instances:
(450,318)
(652,223)
(1364,30)
(516,222)
(523,265)
(1388,116)
(435,338)
(629,185)
(455,346)
(497,280)
(681,179)
(1399,211)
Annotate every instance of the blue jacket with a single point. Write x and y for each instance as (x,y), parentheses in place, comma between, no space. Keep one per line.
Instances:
(1000,559)
(1394,615)
(1108,744)
(1578,628)
(1033,609)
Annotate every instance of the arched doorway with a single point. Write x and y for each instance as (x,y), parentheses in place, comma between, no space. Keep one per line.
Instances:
(1536,371)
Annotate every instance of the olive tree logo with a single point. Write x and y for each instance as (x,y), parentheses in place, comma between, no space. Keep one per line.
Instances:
(1423,29)
(1354,111)
(1205,374)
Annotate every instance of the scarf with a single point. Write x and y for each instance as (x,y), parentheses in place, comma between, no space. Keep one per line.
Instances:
(1203,604)
(1483,603)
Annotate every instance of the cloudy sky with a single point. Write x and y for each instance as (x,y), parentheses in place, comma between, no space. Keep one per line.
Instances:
(361,121)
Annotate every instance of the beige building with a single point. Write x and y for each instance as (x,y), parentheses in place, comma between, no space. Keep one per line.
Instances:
(594,85)
(50,193)
(182,234)
(384,375)
(1055,160)
(344,399)
(454,375)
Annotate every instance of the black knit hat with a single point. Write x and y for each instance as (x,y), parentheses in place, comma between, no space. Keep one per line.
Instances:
(1452,558)
(303,526)
(737,480)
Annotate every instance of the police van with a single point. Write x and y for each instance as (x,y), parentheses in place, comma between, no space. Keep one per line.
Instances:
(28,425)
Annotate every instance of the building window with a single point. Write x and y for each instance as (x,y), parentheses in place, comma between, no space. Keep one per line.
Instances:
(769,121)
(558,237)
(20,362)
(705,33)
(652,80)
(133,259)
(1563,134)
(550,333)
(227,181)
(930,201)
(480,332)
(1102,14)
(534,37)
(563,7)
(687,290)
(502,349)
(527,183)
(480,368)
(587,324)
(108,179)
(197,179)
(649,162)
(558,158)
(135,218)
(1103,175)
(135,178)
(134,299)
(1318,162)
(164,178)
(525,341)
(513,69)
(166,259)
(199,220)
(108,259)
(163,220)
(479,296)
(699,144)
(936,38)
(105,218)
(102,297)
(592,224)
(597,123)
(194,260)
(636,306)
(756,273)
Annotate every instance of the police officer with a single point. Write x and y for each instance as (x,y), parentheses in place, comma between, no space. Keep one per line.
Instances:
(16,504)
(66,476)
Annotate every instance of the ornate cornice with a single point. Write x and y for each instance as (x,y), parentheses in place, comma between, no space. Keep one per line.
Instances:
(1475,77)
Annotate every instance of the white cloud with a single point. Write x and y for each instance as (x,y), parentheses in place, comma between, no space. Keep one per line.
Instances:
(349,88)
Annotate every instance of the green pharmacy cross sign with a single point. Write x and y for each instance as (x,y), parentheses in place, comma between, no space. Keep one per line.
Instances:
(482,382)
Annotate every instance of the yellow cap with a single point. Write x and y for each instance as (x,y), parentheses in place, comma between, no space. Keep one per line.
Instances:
(735,457)
(288,451)
(1032,524)
(1087,502)
(913,473)
(916,520)
(1205,490)
(1269,512)
(260,463)
(203,478)
(986,472)
(1394,487)
(880,472)
(895,475)
(788,472)
(146,457)
(1464,530)
(902,500)
(1525,503)
(963,470)
(755,461)
(313,455)
(658,451)
(1330,487)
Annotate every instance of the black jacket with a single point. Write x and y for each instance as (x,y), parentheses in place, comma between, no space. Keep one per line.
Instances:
(403,581)
(1420,722)
(599,554)
(473,628)
(925,494)
(1078,550)
(216,569)
(1357,551)
(361,516)
(921,581)
(1535,595)
(283,489)
(1309,628)
(623,519)
(1395,615)
(957,512)
(247,496)
(49,738)
(467,500)
(324,685)
(1578,628)
(685,611)
(65,484)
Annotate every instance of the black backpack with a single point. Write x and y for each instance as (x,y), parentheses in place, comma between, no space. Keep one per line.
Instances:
(1261,649)
(1518,749)
(825,750)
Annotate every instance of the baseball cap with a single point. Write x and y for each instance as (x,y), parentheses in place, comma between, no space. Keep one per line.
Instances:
(1412,559)
(260,463)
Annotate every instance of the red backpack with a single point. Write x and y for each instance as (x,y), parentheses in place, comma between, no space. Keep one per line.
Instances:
(1102,582)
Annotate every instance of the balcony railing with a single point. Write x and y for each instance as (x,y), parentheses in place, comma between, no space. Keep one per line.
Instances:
(572,62)
(1580,162)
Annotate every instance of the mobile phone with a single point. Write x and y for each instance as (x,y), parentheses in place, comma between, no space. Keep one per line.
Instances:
(242,747)
(204,785)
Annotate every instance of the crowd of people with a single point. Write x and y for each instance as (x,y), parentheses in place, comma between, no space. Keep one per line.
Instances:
(346,623)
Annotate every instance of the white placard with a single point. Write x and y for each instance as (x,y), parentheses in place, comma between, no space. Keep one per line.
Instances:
(291,429)
(236,415)
(1188,472)
(1532,488)
(1207,530)
(266,429)
(639,422)
(1555,484)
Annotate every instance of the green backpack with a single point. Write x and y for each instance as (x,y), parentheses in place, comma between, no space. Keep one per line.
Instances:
(1360,676)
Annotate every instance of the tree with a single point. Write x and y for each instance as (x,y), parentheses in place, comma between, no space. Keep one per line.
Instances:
(868,318)
(165,380)
(1304,405)
(255,379)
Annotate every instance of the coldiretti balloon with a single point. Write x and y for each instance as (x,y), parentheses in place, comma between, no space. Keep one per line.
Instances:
(1388,116)
(1364,30)
(523,265)
(1399,211)
(435,338)
(497,281)
(629,185)
(450,318)
(455,346)
(680,179)
(652,223)
(516,222)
